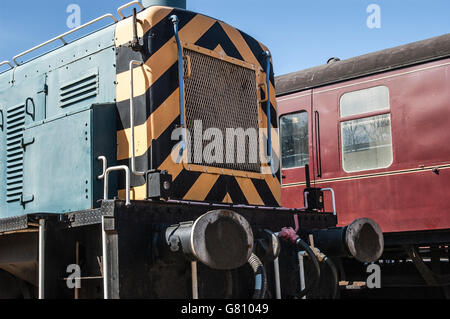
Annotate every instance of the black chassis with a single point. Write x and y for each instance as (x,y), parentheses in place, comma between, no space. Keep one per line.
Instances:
(140,265)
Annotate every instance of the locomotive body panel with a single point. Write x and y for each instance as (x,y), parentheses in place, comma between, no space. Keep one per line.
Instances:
(50,107)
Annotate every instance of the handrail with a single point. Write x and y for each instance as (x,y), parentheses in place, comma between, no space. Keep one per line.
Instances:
(268,112)
(127,182)
(11,66)
(133,153)
(105,166)
(129,4)
(175,21)
(61,37)
(318,146)
(333,198)
(105,176)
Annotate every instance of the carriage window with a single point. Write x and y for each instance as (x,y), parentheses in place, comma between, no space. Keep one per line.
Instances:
(365,101)
(367,143)
(294,140)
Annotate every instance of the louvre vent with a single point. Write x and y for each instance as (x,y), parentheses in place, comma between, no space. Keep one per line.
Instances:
(223,96)
(15,121)
(79,90)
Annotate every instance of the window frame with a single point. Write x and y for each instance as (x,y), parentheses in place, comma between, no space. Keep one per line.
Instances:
(281,139)
(366,112)
(359,116)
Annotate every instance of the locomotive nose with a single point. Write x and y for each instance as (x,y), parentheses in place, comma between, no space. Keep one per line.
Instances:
(220,239)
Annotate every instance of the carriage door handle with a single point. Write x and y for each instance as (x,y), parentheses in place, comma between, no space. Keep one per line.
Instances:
(318,146)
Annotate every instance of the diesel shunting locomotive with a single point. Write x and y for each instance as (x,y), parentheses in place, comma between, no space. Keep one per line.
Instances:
(102,184)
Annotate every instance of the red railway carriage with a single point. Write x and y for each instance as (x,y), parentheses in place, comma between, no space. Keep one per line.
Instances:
(376,129)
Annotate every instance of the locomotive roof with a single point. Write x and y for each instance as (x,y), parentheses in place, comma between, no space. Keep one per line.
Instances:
(372,63)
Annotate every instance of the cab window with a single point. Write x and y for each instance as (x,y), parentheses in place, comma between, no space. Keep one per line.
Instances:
(294,140)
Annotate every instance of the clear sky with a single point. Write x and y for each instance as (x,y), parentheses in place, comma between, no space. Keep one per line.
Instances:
(300,33)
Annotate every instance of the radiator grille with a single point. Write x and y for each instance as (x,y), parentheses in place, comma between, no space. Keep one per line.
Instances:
(79,90)
(15,121)
(223,95)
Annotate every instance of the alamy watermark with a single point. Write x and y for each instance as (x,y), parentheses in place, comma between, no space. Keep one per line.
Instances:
(74,279)
(374,19)
(74,18)
(374,279)
(224,146)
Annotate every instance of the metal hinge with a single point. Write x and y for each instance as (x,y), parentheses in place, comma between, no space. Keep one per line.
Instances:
(44,90)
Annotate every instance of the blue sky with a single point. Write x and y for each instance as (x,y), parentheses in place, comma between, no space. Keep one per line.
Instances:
(300,33)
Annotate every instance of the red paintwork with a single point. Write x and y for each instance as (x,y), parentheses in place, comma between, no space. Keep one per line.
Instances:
(420,120)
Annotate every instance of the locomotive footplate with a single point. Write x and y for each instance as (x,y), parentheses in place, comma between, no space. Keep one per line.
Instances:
(150,249)
(171,212)
(123,249)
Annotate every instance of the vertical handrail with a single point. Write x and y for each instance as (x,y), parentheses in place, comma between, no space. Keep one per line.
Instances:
(333,198)
(127,181)
(175,22)
(105,176)
(133,153)
(105,166)
(105,261)
(194,275)
(269,112)
(318,146)
(301,255)
(276,269)
(42,226)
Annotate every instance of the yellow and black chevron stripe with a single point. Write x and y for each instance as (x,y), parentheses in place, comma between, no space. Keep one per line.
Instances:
(156,92)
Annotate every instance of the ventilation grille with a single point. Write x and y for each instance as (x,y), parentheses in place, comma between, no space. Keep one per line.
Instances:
(79,90)
(15,121)
(223,95)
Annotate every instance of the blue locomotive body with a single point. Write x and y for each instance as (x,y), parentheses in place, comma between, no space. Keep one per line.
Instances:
(58,115)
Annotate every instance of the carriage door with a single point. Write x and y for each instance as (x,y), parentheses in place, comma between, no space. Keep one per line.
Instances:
(296,147)
(326,140)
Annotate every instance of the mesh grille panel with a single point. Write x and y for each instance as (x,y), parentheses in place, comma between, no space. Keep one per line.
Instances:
(223,95)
